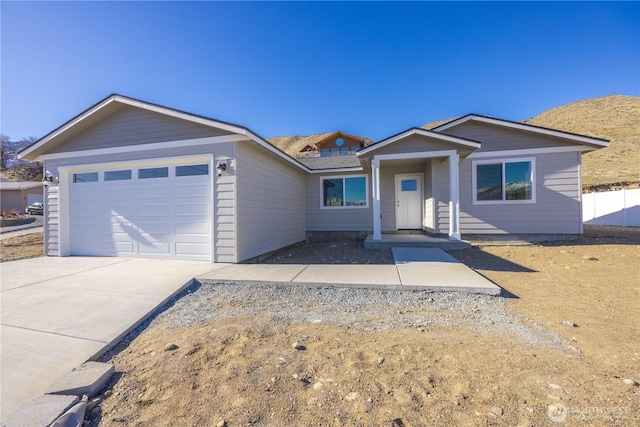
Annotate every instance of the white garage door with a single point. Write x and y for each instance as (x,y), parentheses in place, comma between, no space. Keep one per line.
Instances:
(160,211)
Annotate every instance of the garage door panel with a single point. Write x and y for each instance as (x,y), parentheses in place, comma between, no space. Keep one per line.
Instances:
(154,248)
(88,246)
(154,211)
(120,217)
(194,209)
(85,211)
(120,193)
(151,192)
(201,190)
(157,217)
(119,248)
(124,216)
(84,192)
(154,228)
(192,249)
(193,228)
(119,227)
(193,238)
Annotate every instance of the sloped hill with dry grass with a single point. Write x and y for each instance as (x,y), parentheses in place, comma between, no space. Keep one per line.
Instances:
(292,145)
(432,125)
(614,117)
(30,172)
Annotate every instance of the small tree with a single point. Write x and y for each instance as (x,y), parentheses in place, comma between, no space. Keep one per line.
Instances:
(5,151)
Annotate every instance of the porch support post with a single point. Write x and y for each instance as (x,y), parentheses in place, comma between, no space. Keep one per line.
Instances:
(454,197)
(375,181)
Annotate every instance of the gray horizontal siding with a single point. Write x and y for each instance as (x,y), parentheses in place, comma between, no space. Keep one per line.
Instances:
(429,217)
(415,144)
(441,195)
(557,208)
(51,221)
(495,138)
(271,202)
(131,125)
(225,225)
(354,219)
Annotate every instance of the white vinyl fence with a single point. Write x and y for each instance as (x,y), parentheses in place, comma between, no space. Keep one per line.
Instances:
(620,207)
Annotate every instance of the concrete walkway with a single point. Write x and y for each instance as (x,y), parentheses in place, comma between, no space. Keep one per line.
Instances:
(57,313)
(415,269)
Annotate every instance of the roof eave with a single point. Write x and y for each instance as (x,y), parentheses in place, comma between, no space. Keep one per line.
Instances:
(463,142)
(33,151)
(575,137)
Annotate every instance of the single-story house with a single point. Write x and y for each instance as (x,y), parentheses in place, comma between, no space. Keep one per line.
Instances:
(136,179)
(17,195)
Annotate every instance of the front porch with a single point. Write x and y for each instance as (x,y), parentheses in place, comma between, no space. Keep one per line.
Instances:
(415,185)
(413,239)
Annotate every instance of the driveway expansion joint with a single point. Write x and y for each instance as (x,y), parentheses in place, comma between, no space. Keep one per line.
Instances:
(120,261)
(53,333)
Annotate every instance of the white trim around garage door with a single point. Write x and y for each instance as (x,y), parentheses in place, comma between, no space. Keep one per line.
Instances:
(65,181)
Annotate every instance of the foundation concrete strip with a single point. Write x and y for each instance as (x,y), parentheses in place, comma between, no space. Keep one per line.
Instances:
(41,411)
(57,406)
(88,379)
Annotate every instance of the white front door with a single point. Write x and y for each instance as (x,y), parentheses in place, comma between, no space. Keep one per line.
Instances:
(409,201)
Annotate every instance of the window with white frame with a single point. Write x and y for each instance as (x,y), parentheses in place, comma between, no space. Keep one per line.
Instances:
(344,192)
(504,181)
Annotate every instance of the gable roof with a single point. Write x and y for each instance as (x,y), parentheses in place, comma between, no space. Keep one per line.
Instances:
(464,142)
(574,137)
(295,144)
(332,136)
(113,102)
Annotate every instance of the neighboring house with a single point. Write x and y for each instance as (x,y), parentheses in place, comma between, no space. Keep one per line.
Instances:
(18,195)
(131,178)
(335,144)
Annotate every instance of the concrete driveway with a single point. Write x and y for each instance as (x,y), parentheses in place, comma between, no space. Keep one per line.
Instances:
(57,313)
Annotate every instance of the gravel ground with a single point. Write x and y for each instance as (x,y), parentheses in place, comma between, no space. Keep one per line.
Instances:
(358,309)
(366,310)
(393,358)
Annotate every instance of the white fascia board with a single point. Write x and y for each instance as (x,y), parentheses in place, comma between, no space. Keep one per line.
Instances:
(66,127)
(422,132)
(529,151)
(419,155)
(527,128)
(341,170)
(143,147)
(138,104)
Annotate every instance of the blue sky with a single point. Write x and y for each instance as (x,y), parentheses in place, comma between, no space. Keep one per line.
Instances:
(370,69)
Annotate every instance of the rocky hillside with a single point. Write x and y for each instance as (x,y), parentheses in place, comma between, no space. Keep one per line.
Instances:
(616,118)
(28,172)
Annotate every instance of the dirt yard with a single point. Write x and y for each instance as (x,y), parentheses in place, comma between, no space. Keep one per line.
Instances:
(21,247)
(379,358)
